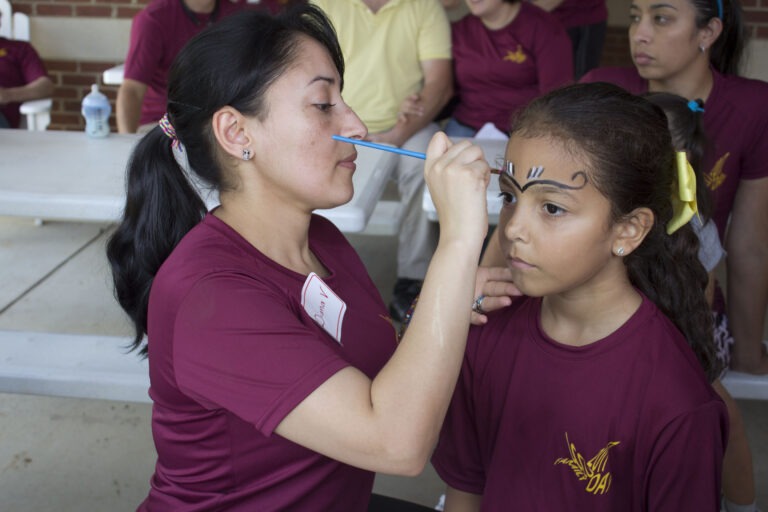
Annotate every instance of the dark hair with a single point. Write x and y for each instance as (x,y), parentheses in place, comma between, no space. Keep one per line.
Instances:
(725,54)
(632,163)
(233,63)
(687,132)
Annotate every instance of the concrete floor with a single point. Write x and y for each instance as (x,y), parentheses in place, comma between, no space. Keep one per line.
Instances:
(63,454)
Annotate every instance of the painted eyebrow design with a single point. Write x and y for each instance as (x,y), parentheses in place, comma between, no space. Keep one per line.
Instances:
(537,171)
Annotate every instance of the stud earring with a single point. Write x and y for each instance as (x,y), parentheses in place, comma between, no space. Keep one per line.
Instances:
(246,154)
(702,48)
(620,251)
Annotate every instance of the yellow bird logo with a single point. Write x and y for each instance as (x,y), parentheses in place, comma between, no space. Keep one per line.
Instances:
(592,470)
(517,56)
(714,178)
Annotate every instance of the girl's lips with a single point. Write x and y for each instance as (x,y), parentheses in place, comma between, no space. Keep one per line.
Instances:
(518,263)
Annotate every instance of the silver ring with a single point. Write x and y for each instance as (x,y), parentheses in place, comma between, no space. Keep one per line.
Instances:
(477,306)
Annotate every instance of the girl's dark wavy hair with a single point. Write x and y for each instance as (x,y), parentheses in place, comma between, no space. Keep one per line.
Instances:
(626,140)
(687,131)
(726,53)
(233,63)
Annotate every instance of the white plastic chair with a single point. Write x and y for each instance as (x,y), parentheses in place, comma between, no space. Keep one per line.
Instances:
(15,25)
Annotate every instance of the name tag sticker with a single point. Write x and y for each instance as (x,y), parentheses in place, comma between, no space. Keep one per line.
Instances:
(323,305)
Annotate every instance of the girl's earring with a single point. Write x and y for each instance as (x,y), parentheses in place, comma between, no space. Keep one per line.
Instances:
(702,48)
(620,251)
(246,154)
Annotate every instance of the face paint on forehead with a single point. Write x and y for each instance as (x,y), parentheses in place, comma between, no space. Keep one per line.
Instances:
(579,178)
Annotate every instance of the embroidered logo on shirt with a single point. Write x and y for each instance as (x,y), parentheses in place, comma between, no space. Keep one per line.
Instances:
(714,178)
(517,56)
(593,470)
(3,52)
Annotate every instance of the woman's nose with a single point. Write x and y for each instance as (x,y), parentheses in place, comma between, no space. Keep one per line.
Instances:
(354,128)
(640,32)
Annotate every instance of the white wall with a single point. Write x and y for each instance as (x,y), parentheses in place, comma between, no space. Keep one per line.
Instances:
(87,39)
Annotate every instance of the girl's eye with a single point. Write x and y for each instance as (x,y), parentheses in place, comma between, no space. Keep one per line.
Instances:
(325,107)
(553,209)
(661,20)
(507,198)
(634,18)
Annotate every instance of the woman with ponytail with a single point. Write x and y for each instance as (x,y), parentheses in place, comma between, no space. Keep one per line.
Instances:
(277,378)
(693,48)
(591,392)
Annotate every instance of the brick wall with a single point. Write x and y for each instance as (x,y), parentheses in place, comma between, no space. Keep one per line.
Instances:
(73,78)
(80,8)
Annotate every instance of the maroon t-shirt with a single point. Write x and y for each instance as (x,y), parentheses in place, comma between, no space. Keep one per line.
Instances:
(736,125)
(574,13)
(627,423)
(231,353)
(19,65)
(158,33)
(499,71)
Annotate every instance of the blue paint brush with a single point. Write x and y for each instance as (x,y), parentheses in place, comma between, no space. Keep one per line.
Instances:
(391,149)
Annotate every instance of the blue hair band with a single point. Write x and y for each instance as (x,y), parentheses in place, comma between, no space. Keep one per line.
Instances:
(695,106)
(720,9)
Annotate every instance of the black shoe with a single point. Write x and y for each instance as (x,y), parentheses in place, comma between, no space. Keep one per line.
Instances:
(402,297)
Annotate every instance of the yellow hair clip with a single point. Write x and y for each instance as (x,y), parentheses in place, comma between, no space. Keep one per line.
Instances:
(683,195)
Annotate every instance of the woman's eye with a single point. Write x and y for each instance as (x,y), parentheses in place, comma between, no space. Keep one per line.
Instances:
(634,18)
(325,107)
(661,20)
(553,209)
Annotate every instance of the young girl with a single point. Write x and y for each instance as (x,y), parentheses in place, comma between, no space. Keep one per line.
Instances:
(589,394)
(687,134)
(275,372)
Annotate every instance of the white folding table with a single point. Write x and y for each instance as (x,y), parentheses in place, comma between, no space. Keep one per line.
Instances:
(60,175)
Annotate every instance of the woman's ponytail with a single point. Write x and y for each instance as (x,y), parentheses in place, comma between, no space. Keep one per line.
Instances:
(161,207)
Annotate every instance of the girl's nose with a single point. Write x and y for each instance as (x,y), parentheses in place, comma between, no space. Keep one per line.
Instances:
(514,226)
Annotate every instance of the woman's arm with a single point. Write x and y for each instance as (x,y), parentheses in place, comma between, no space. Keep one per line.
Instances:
(747,275)
(460,501)
(391,424)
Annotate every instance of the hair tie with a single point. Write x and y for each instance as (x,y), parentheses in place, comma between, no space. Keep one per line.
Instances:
(720,9)
(170,132)
(684,205)
(695,106)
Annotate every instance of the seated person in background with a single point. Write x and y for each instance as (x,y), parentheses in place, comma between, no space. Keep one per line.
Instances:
(505,53)
(158,33)
(585,21)
(22,78)
(688,135)
(398,53)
